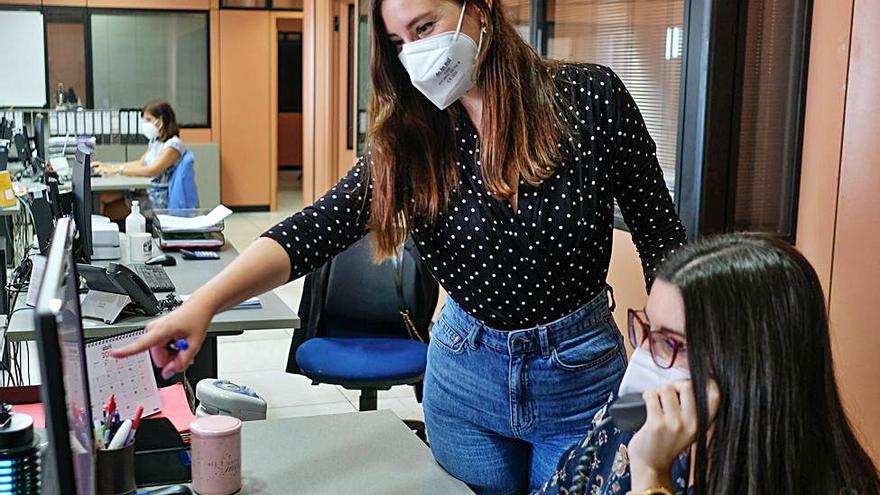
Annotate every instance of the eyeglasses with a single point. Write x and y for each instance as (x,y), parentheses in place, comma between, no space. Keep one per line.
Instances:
(664,344)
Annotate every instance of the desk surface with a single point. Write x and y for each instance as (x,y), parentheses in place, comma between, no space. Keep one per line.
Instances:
(364,453)
(119,183)
(105,183)
(187,275)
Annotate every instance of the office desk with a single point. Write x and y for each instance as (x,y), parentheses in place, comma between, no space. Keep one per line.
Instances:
(363,453)
(119,183)
(100,184)
(187,276)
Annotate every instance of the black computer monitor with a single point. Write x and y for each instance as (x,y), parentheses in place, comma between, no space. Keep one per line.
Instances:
(4,157)
(5,129)
(40,133)
(65,384)
(82,203)
(23,147)
(43,217)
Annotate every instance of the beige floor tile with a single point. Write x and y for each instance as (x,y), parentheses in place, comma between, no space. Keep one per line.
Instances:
(281,389)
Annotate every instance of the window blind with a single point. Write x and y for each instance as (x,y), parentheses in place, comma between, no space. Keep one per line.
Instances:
(766,150)
(642,41)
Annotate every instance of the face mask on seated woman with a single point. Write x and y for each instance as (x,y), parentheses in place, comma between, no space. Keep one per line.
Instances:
(744,317)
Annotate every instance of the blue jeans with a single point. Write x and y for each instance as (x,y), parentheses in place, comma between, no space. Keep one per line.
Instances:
(501,407)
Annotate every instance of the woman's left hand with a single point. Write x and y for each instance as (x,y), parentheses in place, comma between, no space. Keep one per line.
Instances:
(671,427)
(106,169)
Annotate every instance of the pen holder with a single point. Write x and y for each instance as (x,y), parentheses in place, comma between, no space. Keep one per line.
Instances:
(116,471)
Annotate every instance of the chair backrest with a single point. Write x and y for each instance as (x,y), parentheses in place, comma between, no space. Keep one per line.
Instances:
(182,190)
(351,296)
(361,297)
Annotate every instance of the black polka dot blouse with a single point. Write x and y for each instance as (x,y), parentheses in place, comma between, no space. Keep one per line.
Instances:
(517,269)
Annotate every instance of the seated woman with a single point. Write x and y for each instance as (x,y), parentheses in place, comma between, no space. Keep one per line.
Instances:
(744,317)
(164,152)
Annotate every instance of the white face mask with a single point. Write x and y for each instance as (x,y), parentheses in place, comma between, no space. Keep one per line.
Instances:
(643,374)
(442,66)
(149,130)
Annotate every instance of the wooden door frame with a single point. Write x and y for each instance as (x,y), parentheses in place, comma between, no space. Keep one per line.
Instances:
(273,100)
(345,156)
(321,101)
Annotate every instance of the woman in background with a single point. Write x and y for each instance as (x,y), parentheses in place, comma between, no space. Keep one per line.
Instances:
(744,318)
(164,152)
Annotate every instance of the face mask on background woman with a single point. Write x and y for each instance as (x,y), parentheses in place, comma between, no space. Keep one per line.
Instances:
(149,130)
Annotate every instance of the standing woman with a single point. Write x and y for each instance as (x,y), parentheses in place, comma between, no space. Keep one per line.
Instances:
(504,168)
(164,150)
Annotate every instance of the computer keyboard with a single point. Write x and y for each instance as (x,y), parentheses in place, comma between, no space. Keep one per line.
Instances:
(154,276)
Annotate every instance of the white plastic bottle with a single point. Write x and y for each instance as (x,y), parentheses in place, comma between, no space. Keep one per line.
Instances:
(139,243)
(135,223)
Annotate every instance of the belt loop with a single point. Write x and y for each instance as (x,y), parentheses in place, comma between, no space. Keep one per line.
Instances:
(610,291)
(474,335)
(544,341)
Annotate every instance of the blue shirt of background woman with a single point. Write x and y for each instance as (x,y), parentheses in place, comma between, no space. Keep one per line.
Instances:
(157,151)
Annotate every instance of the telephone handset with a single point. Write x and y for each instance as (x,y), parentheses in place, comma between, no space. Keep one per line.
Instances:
(120,279)
(628,412)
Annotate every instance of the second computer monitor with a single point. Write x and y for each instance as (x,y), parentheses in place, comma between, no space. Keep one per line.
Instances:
(23,147)
(82,205)
(40,133)
(42,215)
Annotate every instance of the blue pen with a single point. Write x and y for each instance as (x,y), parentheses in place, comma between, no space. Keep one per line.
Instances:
(177,345)
(116,422)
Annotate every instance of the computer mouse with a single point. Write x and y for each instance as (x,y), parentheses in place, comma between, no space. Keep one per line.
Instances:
(162,259)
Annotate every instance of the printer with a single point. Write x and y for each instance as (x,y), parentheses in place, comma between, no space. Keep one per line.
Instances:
(105,239)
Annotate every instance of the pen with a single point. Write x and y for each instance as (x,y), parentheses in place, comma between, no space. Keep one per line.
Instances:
(121,436)
(177,345)
(135,423)
(111,405)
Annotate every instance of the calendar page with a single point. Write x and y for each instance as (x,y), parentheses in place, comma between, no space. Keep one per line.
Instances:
(131,379)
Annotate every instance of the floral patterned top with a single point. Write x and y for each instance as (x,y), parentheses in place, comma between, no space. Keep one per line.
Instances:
(609,472)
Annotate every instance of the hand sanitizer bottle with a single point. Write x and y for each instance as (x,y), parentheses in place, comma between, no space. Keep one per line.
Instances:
(135,223)
(139,242)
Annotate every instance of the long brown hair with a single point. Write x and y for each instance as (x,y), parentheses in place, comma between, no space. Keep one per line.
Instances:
(412,144)
(162,110)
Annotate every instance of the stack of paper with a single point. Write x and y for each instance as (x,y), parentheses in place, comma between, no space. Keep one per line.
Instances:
(201,223)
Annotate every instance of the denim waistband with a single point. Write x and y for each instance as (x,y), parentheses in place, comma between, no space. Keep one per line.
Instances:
(540,338)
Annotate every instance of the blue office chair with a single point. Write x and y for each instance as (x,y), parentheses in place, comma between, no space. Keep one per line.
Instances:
(353,333)
(182,190)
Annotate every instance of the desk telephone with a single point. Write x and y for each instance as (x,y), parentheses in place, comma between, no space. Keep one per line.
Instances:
(120,279)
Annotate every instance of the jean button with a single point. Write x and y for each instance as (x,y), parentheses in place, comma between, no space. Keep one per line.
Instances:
(456,339)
